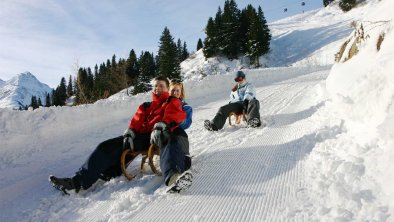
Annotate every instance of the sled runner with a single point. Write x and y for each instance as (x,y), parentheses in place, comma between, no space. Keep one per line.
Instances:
(128,156)
(238,117)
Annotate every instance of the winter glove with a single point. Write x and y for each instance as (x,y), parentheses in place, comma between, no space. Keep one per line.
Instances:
(128,137)
(160,134)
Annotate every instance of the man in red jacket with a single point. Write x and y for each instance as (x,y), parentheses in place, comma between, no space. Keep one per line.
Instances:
(153,122)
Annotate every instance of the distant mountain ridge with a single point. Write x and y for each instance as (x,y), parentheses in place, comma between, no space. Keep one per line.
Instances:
(18,91)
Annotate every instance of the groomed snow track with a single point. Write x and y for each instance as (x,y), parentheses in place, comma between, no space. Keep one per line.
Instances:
(240,173)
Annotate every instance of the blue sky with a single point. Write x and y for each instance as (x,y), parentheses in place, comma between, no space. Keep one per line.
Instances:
(50,38)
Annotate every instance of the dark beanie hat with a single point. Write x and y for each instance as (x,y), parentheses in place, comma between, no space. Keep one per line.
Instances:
(239,74)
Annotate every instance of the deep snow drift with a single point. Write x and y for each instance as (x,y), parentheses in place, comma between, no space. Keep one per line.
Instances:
(325,154)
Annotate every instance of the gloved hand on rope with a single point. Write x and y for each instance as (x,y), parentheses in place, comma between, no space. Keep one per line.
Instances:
(128,137)
(160,135)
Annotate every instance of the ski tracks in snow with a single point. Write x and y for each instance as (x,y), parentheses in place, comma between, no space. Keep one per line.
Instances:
(245,174)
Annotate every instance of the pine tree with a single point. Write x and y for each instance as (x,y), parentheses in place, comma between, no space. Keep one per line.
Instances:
(90,84)
(185,53)
(100,81)
(53,97)
(147,72)
(347,5)
(82,95)
(214,40)
(113,62)
(131,68)
(234,33)
(61,92)
(47,100)
(327,2)
(117,76)
(70,90)
(218,35)
(245,19)
(210,46)
(75,85)
(34,103)
(230,21)
(258,35)
(108,66)
(169,65)
(255,36)
(266,32)
(59,95)
(199,44)
(39,103)
(179,49)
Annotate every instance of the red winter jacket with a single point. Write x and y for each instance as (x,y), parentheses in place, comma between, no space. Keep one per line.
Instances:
(162,108)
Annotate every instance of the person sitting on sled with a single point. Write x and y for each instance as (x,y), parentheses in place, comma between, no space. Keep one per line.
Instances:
(153,122)
(175,157)
(242,99)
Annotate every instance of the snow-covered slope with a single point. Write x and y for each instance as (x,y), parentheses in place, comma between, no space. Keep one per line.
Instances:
(18,91)
(60,139)
(307,39)
(1,82)
(325,155)
(361,95)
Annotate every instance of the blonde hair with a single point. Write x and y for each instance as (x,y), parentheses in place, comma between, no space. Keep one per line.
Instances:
(180,84)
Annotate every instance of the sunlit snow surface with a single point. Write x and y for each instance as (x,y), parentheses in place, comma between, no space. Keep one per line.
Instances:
(325,155)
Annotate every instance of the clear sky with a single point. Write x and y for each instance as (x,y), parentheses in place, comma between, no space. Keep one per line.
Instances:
(50,38)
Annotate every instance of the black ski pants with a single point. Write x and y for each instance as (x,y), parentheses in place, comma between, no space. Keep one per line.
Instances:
(252,111)
(104,161)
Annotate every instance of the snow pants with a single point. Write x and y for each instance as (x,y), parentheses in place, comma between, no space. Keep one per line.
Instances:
(251,111)
(174,157)
(104,161)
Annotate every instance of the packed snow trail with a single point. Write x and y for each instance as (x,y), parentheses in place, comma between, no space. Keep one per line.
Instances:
(248,174)
(239,173)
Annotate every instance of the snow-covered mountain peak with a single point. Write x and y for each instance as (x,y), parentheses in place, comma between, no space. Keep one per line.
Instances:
(23,78)
(18,91)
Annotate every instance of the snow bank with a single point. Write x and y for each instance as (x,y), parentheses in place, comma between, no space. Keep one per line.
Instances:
(196,67)
(352,175)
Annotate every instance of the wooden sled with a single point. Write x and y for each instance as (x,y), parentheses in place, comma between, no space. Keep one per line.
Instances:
(128,156)
(238,117)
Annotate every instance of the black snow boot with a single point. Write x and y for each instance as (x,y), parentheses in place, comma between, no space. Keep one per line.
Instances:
(254,122)
(210,126)
(64,184)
